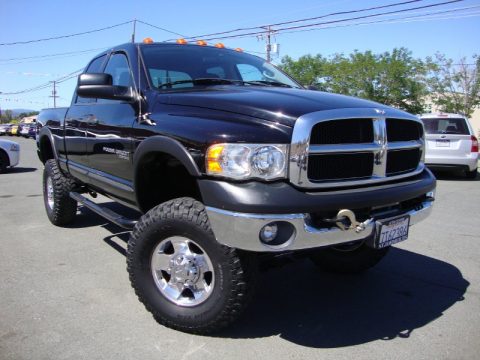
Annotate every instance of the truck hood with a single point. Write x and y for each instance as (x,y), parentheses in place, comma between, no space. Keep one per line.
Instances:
(280,105)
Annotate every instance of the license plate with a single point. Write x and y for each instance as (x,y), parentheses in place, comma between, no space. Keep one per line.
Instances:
(392,231)
(443,143)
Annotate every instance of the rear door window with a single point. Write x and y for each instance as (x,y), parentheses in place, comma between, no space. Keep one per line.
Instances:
(120,70)
(457,126)
(96,66)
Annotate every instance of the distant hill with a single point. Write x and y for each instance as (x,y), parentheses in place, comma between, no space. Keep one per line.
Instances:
(16,112)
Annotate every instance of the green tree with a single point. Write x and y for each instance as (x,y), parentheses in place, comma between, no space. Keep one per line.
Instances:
(455,88)
(7,116)
(307,69)
(392,78)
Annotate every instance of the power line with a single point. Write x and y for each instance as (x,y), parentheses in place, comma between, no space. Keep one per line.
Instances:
(66,36)
(255,33)
(160,28)
(306,19)
(52,55)
(421,17)
(47,84)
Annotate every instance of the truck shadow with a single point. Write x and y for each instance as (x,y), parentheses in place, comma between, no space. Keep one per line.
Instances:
(303,305)
(406,291)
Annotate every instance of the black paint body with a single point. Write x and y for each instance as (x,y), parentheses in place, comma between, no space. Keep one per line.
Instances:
(98,143)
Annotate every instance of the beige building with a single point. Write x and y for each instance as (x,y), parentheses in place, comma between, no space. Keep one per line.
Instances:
(29,119)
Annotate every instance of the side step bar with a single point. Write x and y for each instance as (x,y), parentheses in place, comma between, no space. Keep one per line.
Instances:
(108,214)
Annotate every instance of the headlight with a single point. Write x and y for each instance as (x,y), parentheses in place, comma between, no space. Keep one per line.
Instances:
(15,147)
(245,161)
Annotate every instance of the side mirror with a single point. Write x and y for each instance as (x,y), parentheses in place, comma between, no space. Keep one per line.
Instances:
(311,87)
(100,86)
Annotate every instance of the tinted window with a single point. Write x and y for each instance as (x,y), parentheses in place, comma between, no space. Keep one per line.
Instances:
(119,69)
(193,62)
(95,66)
(249,72)
(165,76)
(446,126)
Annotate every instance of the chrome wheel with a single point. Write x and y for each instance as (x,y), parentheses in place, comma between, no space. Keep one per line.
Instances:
(50,196)
(182,271)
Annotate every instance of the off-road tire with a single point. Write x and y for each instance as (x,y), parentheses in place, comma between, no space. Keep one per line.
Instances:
(471,174)
(64,207)
(344,261)
(4,161)
(234,270)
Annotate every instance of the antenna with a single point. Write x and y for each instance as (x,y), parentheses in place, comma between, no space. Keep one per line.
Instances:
(134,27)
(139,80)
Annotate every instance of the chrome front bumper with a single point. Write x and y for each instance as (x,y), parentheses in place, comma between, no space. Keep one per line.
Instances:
(241,231)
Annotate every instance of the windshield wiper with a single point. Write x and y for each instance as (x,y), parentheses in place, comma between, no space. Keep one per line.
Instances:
(199,81)
(267,82)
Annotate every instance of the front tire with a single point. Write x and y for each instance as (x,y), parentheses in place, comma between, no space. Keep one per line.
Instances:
(60,207)
(348,259)
(182,275)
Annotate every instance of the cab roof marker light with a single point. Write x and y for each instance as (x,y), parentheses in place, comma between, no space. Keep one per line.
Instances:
(148,40)
(182,41)
(202,43)
(220,46)
(239,49)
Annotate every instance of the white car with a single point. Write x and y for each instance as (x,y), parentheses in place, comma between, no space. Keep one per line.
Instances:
(450,143)
(9,154)
(3,129)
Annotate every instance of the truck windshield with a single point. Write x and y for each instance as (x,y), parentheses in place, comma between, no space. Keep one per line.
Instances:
(445,126)
(185,66)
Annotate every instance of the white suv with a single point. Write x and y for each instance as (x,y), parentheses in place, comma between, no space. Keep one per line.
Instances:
(450,143)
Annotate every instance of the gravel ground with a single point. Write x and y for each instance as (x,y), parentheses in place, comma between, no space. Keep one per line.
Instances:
(65,294)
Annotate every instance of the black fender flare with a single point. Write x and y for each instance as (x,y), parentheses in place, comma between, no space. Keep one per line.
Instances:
(166,145)
(45,132)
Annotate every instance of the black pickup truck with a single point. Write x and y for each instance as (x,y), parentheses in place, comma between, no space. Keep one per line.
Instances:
(230,161)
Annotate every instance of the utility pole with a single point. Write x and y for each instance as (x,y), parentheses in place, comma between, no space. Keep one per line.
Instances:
(268,38)
(54,94)
(134,26)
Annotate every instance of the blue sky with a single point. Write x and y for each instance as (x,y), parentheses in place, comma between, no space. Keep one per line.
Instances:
(454,33)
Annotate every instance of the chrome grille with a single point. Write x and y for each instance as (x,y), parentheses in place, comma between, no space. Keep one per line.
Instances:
(355,146)
(402,161)
(325,167)
(351,131)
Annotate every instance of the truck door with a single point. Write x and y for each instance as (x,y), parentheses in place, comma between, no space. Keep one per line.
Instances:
(109,134)
(76,120)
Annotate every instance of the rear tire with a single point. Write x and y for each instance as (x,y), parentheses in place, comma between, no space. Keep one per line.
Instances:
(4,161)
(471,174)
(60,207)
(197,285)
(349,259)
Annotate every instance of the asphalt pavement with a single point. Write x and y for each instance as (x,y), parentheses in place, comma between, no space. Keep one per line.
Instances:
(65,293)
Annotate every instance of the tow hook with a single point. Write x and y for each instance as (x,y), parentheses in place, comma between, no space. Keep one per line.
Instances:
(346,220)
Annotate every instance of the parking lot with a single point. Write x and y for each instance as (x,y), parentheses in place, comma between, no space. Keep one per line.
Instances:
(65,293)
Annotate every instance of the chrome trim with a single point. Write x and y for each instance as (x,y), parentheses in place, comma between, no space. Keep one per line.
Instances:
(301,149)
(241,230)
(404,145)
(344,148)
